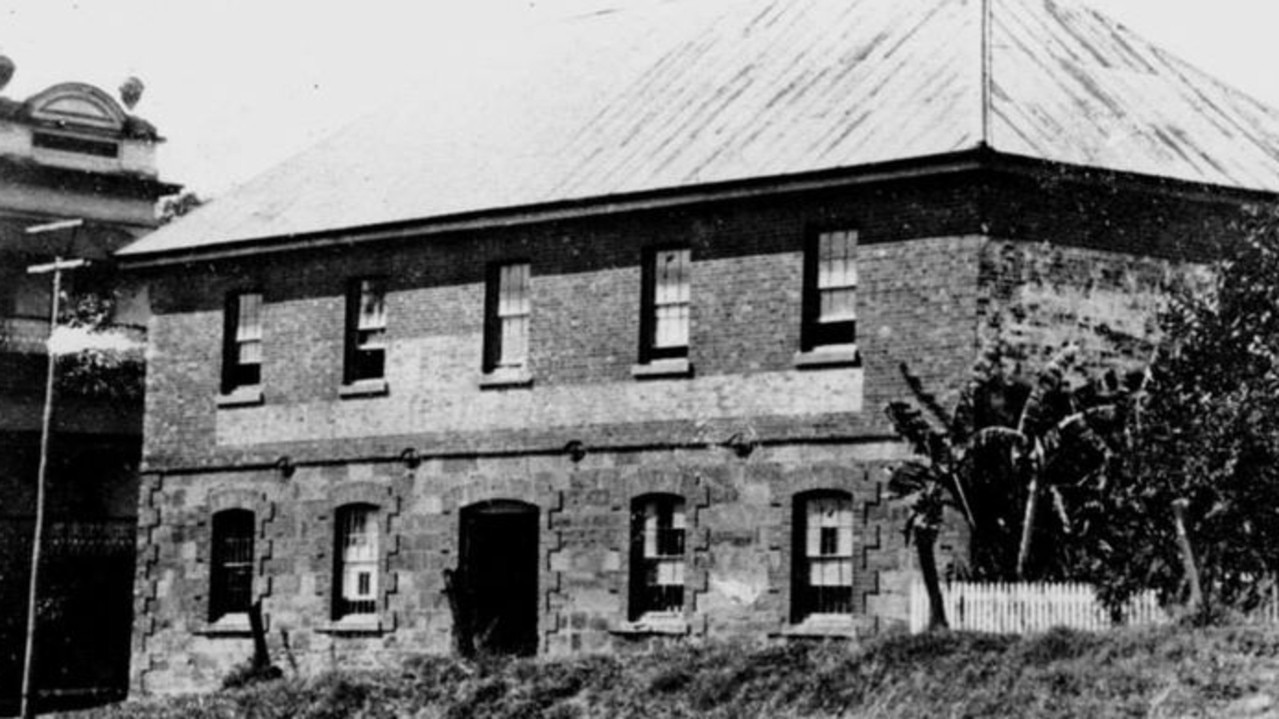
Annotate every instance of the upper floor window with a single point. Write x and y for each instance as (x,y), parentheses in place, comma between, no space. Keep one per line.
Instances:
(657,555)
(822,555)
(665,304)
(507,310)
(355,570)
(830,290)
(231,568)
(366,330)
(242,353)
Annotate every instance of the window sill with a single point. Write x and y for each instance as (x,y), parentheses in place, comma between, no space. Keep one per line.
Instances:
(229,625)
(829,626)
(364,388)
(241,397)
(503,377)
(674,367)
(354,625)
(831,356)
(649,625)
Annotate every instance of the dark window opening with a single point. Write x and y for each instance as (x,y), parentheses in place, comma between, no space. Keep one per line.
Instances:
(665,304)
(830,290)
(242,343)
(366,330)
(231,575)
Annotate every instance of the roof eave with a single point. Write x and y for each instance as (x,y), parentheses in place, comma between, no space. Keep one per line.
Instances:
(978,158)
(961,161)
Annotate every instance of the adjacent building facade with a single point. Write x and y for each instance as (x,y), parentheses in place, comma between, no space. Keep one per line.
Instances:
(71,152)
(615,374)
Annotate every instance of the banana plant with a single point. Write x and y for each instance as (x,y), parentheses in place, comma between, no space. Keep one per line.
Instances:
(926,485)
(1007,436)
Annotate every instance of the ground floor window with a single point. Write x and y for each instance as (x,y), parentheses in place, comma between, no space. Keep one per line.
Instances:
(657,555)
(356,570)
(822,555)
(231,571)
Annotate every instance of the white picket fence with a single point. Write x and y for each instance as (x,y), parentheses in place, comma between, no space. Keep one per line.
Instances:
(1028,607)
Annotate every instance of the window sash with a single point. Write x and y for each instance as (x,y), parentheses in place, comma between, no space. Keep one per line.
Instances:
(248,325)
(231,572)
(825,561)
(372,309)
(830,572)
(659,548)
(357,570)
(512,293)
(359,580)
(663,529)
(242,342)
(366,330)
(837,277)
(248,329)
(828,528)
(513,310)
(671,298)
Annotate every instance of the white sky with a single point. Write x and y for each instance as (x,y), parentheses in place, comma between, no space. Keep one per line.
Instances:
(238,85)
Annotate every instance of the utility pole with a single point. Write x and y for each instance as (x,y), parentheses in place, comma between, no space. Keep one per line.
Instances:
(56,267)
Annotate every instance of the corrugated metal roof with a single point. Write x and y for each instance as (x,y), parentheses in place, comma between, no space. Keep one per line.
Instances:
(1070,85)
(682,94)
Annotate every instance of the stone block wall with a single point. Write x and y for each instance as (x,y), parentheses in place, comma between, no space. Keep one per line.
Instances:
(738,552)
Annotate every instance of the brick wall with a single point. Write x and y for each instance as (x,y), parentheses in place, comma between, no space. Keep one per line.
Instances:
(746,288)
(933,288)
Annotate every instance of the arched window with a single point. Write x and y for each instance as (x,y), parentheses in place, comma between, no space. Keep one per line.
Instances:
(822,555)
(355,572)
(231,573)
(657,555)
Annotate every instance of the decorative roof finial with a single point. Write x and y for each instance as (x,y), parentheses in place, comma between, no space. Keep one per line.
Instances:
(6,70)
(131,91)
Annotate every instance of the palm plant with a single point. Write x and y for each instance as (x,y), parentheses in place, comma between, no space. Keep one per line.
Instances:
(1006,439)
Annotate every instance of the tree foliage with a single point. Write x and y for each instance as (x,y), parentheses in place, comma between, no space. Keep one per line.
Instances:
(105,362)
(1207,433)
(171,207)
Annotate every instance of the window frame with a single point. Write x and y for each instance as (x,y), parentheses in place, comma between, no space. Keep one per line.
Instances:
(816,333)
(364,605)
(650,305)
(808,602)
(645,570)
(236,374)
(359,352)
(224,574)
(75,144)
(495,344)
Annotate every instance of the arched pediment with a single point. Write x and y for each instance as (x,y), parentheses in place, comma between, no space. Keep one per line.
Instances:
(77,104)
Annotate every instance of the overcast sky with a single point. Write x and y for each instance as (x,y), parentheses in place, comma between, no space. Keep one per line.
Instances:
(238,85)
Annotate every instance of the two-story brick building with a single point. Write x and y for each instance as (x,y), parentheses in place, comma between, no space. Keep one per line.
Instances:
(595,350)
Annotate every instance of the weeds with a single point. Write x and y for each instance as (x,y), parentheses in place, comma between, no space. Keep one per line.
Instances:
(1171,671)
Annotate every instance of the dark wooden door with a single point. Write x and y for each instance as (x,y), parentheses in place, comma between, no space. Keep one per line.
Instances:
(499,568)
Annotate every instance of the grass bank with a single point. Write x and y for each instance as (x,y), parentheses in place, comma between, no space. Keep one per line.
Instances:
(1166,672)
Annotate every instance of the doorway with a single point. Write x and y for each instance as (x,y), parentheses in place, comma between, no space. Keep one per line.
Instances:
(499,558)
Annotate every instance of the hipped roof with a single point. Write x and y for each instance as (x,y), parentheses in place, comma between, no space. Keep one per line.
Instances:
(677,95)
